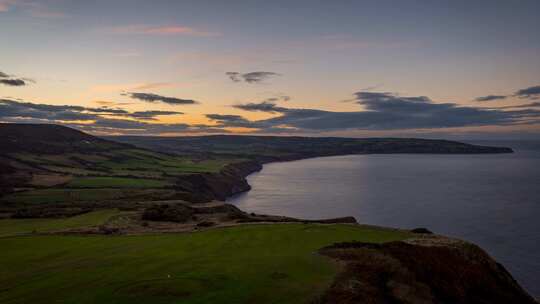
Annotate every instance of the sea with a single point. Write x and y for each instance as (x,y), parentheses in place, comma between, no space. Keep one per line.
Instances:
(492,200)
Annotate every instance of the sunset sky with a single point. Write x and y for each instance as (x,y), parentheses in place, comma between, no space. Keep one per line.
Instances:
(317,68)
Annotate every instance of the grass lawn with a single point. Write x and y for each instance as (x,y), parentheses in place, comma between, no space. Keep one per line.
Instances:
(12,227)
(116,182)
(244,264)
(171,165)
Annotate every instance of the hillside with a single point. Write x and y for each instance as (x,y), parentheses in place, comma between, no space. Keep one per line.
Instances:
(51,139)
(282,148)
(56,164)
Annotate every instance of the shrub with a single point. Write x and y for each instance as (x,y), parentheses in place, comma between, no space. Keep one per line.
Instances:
(168,213)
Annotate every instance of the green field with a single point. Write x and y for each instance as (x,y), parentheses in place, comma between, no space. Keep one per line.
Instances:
(116,182)
(245,264)
(121,163)
(13,227)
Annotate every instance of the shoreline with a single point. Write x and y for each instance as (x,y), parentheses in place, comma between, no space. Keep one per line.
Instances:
(264,161)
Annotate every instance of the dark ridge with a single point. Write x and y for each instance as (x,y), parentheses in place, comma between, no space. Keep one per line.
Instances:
(51,139)
(272,148)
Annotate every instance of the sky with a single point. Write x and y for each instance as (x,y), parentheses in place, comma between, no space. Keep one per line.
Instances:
(436,69)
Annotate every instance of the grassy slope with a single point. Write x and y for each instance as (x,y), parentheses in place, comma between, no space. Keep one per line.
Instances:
(113,174)
(13,227)
(115,182)
(244,264)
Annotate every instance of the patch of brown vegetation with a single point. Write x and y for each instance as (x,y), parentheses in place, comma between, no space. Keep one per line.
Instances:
(173,216)
(426,270)
(49,180)
(179,213)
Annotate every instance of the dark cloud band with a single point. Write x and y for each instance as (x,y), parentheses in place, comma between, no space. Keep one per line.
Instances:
(252,77)
(385,111)
(15,111)
(149,97)
(530,92)
(490,98)
(8,80)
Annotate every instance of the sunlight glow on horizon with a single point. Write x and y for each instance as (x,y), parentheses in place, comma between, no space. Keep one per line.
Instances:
(83,54)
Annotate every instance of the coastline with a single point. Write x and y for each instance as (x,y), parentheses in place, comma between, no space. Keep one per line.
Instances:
(231,180)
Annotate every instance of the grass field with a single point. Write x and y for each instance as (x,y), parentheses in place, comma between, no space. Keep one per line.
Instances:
(12,227)
(245,264)
(116,182)
(119,163)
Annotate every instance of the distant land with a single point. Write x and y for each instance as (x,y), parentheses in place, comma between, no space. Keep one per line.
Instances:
(140,219)
(279,148)
(196,169)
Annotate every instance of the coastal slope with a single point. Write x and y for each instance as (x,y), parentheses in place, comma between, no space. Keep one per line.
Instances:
(70,197)
(57,164)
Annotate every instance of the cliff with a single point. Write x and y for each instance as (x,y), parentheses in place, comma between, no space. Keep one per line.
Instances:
(431,269)
(205,187)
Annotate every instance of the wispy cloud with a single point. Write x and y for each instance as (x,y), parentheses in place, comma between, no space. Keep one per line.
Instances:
(150,97)
(526,93)
(251,77)
(264,106)
(13,81)
(530,92)
(162,30)
(535,104)
(490,98)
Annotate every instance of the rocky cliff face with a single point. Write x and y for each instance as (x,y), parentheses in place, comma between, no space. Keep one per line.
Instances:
(426,270)
(206,187)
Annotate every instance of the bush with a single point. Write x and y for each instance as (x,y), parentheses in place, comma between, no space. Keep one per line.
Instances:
(421,230)
(206,224)
(168,213)
(108,230)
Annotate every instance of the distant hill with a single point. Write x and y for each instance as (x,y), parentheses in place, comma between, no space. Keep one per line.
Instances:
(44,163)
(51,139)
(283,148)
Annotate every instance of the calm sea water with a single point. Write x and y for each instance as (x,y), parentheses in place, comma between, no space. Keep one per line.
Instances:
(491,200)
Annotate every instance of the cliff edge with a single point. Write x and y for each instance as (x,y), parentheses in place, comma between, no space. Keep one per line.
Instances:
(431,269)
